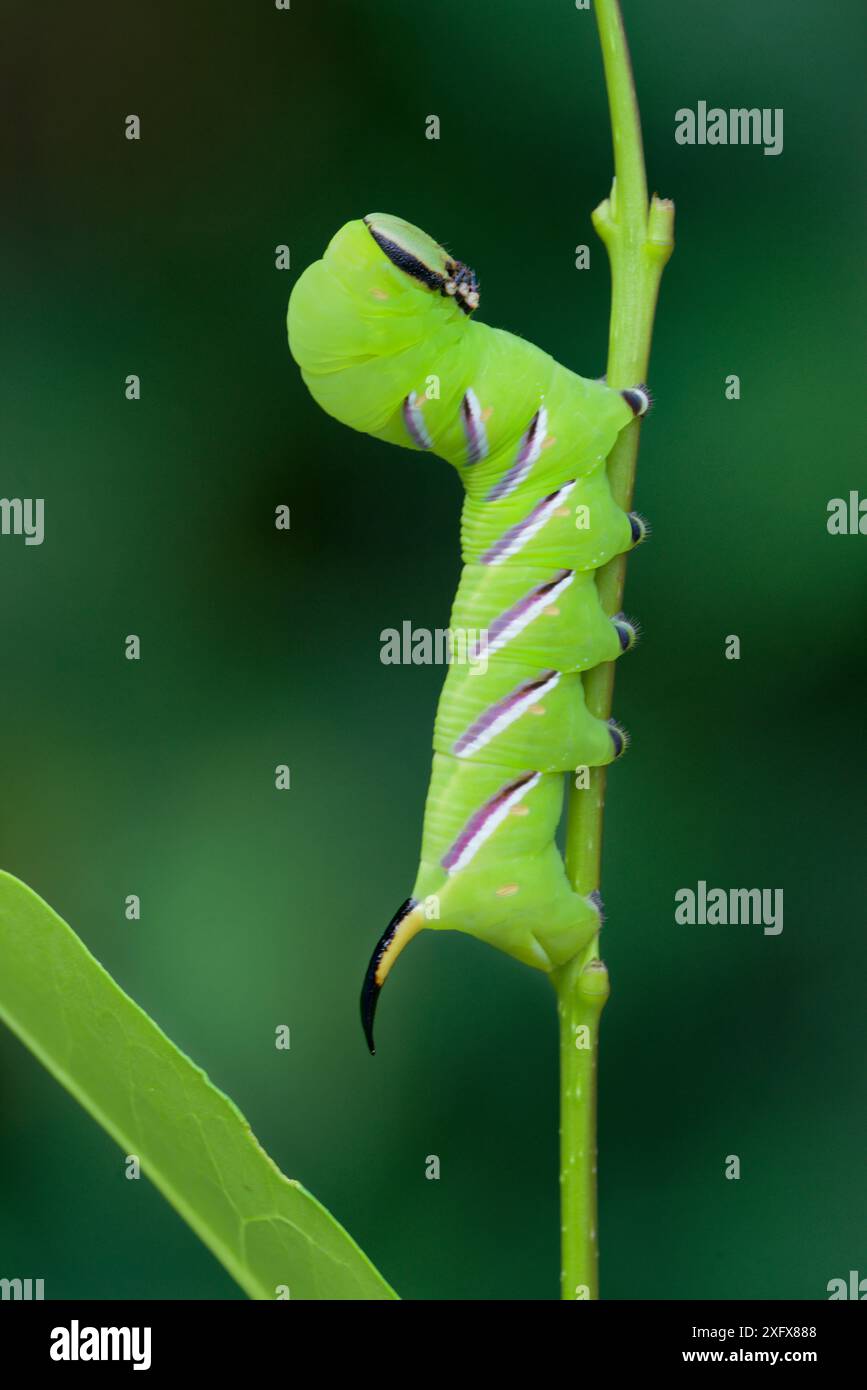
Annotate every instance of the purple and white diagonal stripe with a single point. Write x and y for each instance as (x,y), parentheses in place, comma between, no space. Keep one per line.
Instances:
(474,427)
(503,713)
(517,536)
(509,624)
(482,824)
(529,450)
(414,421)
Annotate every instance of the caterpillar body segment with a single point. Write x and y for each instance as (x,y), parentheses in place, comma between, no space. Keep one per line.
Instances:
(381,328)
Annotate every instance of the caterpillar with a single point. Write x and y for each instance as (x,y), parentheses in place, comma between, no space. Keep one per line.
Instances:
(383,332)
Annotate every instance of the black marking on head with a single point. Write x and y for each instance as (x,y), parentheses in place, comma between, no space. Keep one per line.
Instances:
(406,261)
(619,738)
(639,527)
(371,987)
(466,285)
(459,281)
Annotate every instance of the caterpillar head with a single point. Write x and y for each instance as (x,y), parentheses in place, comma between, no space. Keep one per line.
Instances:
(418,255)
(382,291)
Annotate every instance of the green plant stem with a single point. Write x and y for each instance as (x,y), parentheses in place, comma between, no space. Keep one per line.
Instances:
(639,238)
(582,988)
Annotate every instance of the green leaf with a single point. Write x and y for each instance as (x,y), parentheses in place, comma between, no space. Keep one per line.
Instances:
(193,1143)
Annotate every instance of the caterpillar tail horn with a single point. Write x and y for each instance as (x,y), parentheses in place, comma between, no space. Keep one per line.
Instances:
(404,925)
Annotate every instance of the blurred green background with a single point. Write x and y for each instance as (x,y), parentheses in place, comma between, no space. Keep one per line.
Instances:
(262,127)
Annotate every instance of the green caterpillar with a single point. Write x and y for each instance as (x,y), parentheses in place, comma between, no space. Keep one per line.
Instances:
(384,314)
